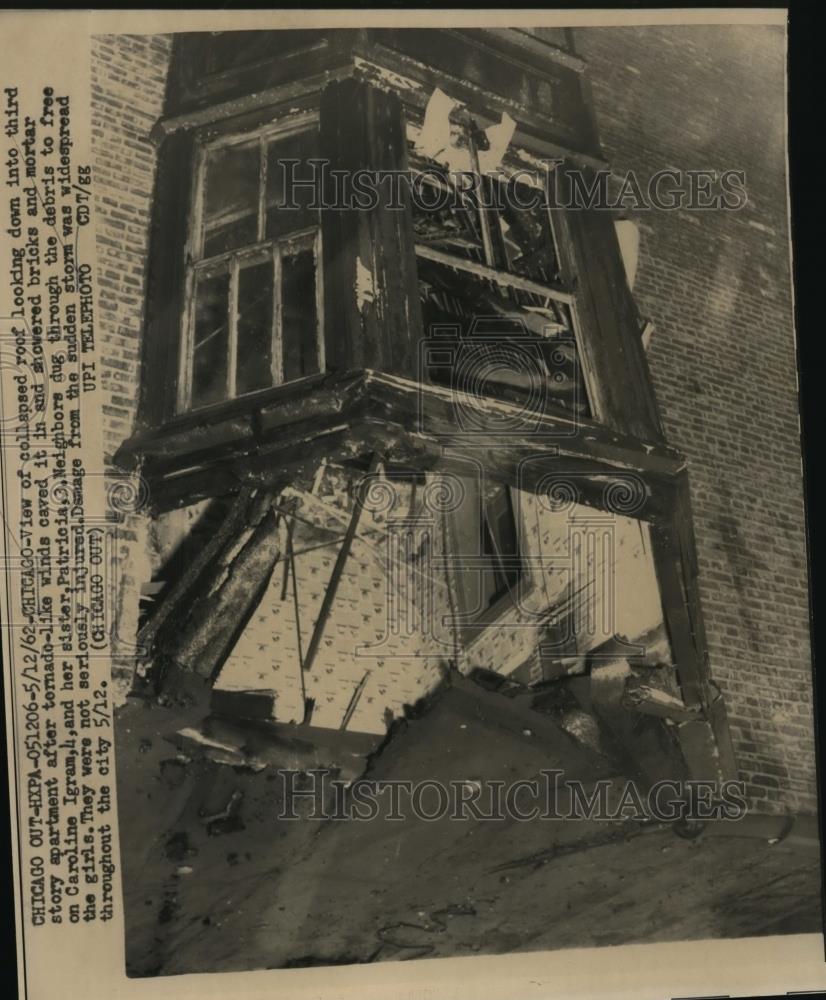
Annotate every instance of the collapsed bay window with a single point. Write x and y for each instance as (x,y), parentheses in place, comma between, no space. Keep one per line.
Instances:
(460,320)
(488,262)
(253,315)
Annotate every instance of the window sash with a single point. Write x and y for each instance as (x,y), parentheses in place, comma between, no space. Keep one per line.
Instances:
(232,262)
(558,292)
(419,166)
(262,138)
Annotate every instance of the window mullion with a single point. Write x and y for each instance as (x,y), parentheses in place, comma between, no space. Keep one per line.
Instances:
(319,300)
(262,188)
(232,350)
(277,338)
(484,221)
(188,352)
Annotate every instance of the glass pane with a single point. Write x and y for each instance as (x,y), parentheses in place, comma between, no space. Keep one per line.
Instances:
(299,316)
(526,233)
(210,339)
(231,198)
(289,190)
(255,304)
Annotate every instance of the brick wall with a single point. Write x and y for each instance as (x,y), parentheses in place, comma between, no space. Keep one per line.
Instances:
(128,80)
(716,285)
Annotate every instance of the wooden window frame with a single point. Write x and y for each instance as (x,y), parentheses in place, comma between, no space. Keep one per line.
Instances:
(234,259)
(561,291)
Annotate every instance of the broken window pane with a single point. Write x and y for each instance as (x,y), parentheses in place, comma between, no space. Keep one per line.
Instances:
(289,194)
(255,309)
(210,339)
(526,233)
(509,343)
(444,217)
(299,315)
(231,198)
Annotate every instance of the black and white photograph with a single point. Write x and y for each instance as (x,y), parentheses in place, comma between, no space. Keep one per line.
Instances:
(453,579)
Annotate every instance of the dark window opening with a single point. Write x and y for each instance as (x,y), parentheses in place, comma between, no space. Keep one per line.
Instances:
(500,545)
(254,319)
(486,541)
(489,273)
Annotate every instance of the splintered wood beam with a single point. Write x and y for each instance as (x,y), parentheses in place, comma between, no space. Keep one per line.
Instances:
(335,576)
(231,523)
(199,639)
(648,700)
(354,701)
(672,541)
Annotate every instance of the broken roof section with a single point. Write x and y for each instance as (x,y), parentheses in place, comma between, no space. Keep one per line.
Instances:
(342,606)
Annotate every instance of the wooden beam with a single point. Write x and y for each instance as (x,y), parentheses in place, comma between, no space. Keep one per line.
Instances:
(166,280)
(373,319)
(266,101)
(439,409)
(296,610)
(178,592)
(608,328)
(672,543)
(200,637)
(335,576)
(555,292)
(348,415)
(242,421)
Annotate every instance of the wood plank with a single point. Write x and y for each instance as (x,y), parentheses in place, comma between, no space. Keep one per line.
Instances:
(671,535)
(166,280)
(555,292)
(200,637)
(611,350)
(193,571)
(369,266)
(335,577)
